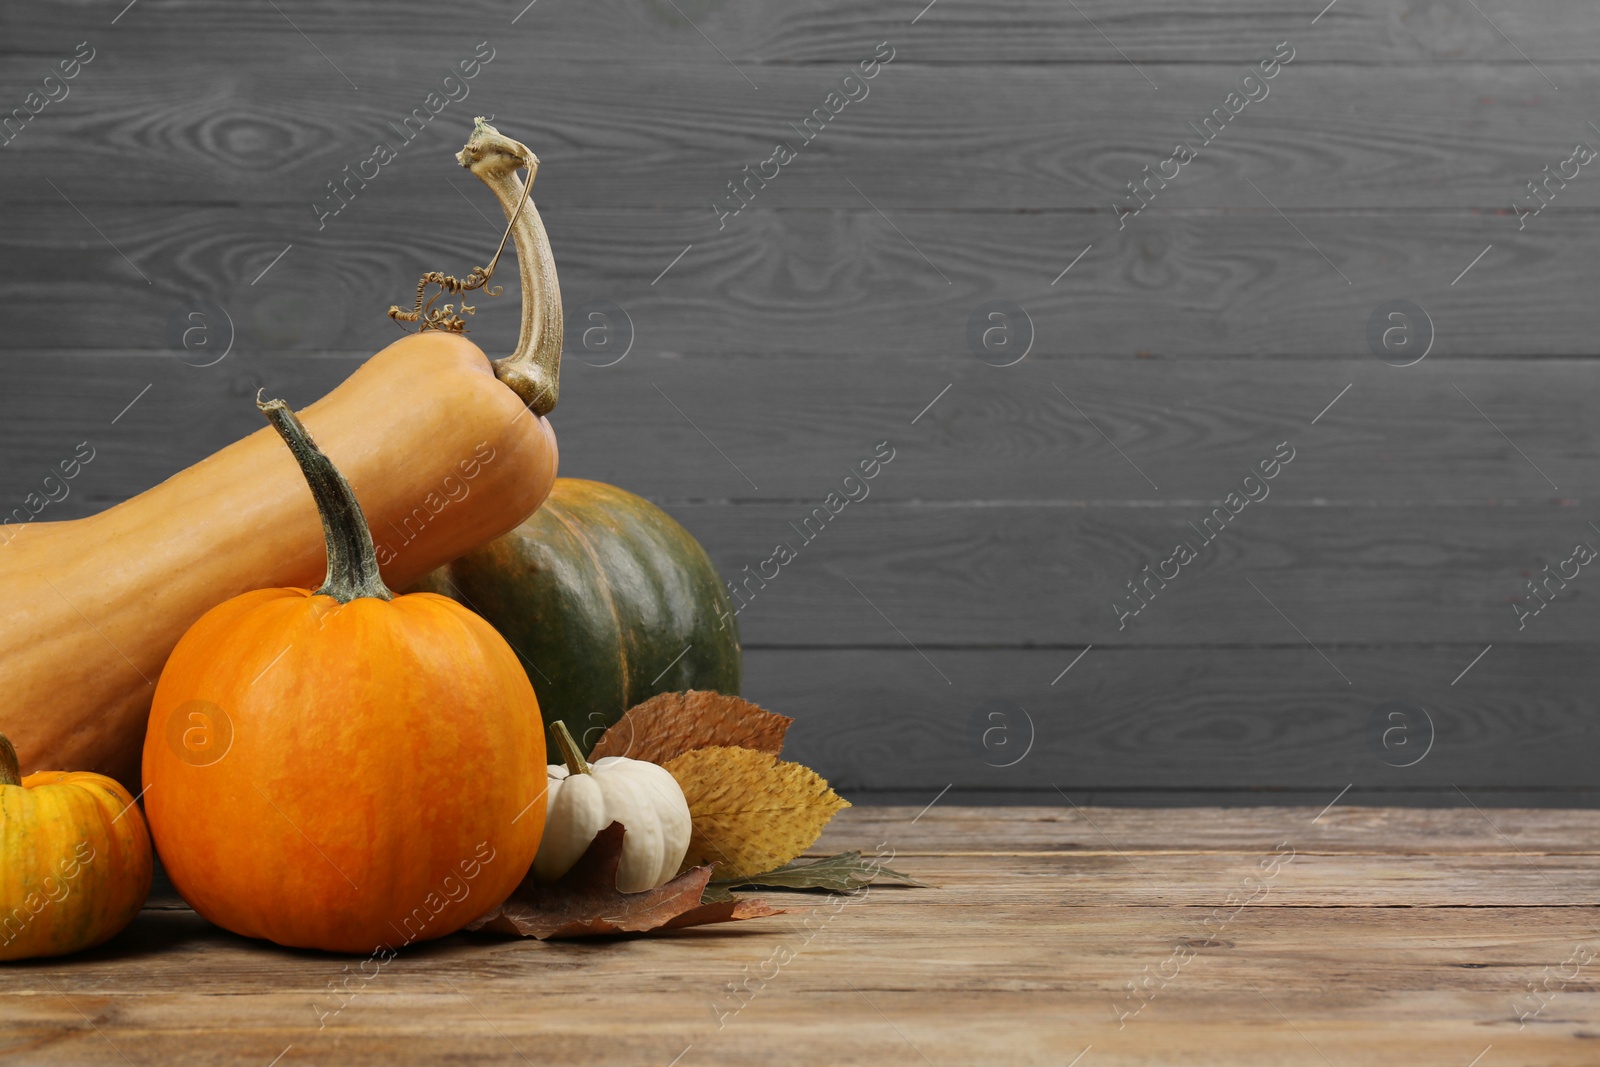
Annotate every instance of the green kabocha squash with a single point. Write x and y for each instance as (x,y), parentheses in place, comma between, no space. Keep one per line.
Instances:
(607,600)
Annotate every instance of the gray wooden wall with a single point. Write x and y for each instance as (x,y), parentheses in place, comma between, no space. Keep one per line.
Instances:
(935,634)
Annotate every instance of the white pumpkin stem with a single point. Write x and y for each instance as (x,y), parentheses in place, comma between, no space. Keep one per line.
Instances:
(574,760)
(10,770)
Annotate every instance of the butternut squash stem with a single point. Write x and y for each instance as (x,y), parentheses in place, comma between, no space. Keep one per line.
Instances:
(352,559)
(574,760)
(533,370)
(10,770)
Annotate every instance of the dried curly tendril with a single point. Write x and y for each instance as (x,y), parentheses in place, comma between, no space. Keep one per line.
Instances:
(449,316)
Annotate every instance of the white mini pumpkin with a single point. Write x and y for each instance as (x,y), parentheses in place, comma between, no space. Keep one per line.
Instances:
(585,798)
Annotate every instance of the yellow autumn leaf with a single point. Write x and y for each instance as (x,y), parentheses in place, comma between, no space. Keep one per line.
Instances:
(751,811)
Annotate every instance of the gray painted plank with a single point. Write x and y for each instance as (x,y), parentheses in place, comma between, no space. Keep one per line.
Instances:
(950,31)
(1156,720)
(1338,577)
(1398,439)
(1174,285)
(275,125)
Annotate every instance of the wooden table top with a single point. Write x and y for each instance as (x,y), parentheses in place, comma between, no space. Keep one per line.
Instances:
(1057,936)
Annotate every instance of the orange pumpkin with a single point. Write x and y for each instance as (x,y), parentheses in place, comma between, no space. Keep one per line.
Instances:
(75,862)
(345,769)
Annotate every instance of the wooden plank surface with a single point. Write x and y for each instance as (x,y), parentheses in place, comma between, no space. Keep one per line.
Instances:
(1255,936)
(775,33)
(1185,720)
(1399,441)
(818,284)
(1342,826)
(671,131)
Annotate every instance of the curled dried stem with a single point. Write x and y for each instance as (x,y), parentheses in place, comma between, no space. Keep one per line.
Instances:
(533,370)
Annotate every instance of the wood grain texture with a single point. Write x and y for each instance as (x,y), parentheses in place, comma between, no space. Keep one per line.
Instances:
(1346,827)
(1363,944)
(840,284)
(276,124)
(1183,720)
(774,33)
(1058,575)
(839,309)
(1398,440)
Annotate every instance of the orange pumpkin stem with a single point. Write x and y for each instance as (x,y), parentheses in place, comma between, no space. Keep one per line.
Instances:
(352,559)
(570,755)
(10,769)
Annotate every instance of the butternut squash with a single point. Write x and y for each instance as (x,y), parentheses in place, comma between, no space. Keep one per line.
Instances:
(445,450)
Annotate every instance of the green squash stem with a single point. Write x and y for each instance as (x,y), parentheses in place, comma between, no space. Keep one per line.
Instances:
(10,770)
(574,760)
(352,560)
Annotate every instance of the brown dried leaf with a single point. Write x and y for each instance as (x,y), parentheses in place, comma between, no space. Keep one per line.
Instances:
(751,811)
(670,724)
(585,902)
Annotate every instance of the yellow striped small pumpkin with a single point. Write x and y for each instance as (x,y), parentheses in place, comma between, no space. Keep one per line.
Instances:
(75,860)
